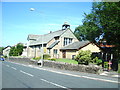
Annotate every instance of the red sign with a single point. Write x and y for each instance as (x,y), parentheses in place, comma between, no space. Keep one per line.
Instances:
(110,62)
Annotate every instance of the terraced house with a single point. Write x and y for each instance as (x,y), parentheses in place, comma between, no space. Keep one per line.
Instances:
(58,44)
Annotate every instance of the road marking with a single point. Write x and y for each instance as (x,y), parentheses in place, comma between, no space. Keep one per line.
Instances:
(100,79)
(106,80)
(26,73)
(83,76)
(13,68)
(55,84)
(7,65)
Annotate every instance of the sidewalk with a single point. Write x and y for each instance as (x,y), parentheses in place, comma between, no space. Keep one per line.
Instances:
(110,74)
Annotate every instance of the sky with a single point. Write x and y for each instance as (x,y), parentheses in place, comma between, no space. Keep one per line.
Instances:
(18,21)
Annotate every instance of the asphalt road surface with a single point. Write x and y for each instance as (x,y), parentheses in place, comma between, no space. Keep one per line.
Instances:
(23,76)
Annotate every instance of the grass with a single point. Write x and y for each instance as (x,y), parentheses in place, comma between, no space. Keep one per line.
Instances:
(67,61)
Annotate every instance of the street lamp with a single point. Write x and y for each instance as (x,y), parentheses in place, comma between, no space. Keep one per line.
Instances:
(40,62)
(32,9)
(42,52)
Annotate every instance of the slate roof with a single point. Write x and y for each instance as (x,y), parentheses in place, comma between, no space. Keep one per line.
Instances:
(75,45)
(39,39)
(53,44)
(31,36)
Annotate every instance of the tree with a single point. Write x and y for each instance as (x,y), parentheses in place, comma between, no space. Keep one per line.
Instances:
(19,48)
(12,51)
(84,57)
(16,50)
(103,19)
(1,50)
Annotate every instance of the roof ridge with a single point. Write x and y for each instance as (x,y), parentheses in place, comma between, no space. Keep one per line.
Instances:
(35,34)
(54,32)
(47,33)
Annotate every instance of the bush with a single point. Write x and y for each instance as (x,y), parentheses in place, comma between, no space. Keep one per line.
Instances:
(105,64)
(46,56)
(16,50)
(119,68)
(97,61)
(52,59)
(84,57)
(5,56)
(37,58)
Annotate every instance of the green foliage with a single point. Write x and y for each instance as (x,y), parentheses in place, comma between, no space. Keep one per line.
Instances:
(12,51)
(52,59)
(84,57)
(97,61)
(16,50)
(5,56)
(37,58)
(104,18)
(19,48)
(105,64)
(1,49)
(119,68)
(46,56)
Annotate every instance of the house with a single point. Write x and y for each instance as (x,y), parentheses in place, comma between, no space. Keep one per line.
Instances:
(58,44)
(72,50)
(6,51)
(24,53)
(50,43)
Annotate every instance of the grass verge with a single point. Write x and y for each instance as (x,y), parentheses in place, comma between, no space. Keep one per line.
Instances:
(67,61)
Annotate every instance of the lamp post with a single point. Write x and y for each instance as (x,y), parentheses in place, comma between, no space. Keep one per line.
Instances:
(42,53)
(40,62)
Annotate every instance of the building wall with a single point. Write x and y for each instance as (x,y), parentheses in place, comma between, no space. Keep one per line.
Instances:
(58,46)
(6,51)
(24,53)
(36,52)
(70,53)
(67,34)
(91,47)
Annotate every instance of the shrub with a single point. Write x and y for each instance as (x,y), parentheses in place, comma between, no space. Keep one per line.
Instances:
(5,56)
(119,68)
(16,50)
(84,57)
(105,64)
(46,56)
(97,61)
(52,59)
(37,58)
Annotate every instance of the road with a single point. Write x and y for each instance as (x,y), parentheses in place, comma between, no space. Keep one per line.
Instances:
(23,76)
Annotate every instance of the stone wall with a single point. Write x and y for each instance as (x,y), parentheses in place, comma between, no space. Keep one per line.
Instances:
(61,65)
(81,68)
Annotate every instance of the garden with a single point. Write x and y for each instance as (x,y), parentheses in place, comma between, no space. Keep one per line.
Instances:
(83,57)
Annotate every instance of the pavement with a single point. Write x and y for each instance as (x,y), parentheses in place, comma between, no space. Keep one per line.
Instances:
(110,74)
(105,73)
(18,75)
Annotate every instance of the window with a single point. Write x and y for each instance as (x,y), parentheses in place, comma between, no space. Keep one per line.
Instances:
(67,41)
(44,45)
(55,51)
(56,38)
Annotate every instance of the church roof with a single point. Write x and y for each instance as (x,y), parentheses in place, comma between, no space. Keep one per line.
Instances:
(39,39)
